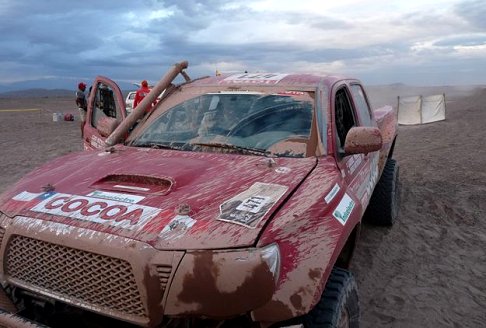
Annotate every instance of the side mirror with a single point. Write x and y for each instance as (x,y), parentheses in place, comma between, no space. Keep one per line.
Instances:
(106,126)
(363,140)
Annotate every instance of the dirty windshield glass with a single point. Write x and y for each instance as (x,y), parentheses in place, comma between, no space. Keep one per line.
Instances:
(254,123)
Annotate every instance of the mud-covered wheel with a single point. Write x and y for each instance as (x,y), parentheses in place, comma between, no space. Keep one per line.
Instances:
(338,306)
(383,207)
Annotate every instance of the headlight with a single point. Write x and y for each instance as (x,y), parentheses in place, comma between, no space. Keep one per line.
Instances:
(213,280)
(271,256)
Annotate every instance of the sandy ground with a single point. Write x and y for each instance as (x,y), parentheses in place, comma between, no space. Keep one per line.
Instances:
(429,270)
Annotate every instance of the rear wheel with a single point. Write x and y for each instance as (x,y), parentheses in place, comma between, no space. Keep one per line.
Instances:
(338,306)
(383,207)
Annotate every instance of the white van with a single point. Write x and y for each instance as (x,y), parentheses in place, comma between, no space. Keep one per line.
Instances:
(129,101)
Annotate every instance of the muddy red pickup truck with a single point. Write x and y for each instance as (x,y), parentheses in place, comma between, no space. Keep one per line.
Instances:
(236,200)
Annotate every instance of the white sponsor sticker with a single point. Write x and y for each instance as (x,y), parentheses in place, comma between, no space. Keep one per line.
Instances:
(249,207)
(97,142)
(330,196)
(353,162)
(258,78)
(26,196)
(114,213)
(236,92)
(178,226)
(126,198)
(283,169)
(132,188)
(344,209)
(372,181)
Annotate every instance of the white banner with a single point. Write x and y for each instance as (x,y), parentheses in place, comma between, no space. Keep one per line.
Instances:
(420,110)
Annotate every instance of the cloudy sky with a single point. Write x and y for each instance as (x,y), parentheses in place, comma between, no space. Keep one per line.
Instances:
(418,42)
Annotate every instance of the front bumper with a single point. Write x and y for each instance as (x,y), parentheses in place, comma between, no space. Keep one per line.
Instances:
(127,279)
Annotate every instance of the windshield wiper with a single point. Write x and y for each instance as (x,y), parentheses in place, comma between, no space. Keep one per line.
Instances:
(257,151)
(157,145)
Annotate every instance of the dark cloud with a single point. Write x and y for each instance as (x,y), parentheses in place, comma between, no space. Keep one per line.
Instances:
(468,40)
(326,23)
(129,40)
(57,35)
(206,8)
(473,11)
(49,33)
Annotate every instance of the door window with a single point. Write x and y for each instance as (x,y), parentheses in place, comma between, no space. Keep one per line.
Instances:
(344,117)
(361,105)
(105,105)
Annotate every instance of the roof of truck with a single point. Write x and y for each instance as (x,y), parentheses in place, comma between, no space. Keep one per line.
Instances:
(270,79)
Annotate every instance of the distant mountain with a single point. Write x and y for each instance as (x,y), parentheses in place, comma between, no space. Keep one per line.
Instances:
(45,93)
(381,95)
(54,84)
(50,84)
(37,93)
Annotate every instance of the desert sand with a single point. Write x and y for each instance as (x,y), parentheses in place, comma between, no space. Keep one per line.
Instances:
(428,270)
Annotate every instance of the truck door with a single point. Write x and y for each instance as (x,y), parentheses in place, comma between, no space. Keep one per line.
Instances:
(365,116)
(106,110)
(356,169)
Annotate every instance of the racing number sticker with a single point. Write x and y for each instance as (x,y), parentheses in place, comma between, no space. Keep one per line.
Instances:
(254,204)
(250,206)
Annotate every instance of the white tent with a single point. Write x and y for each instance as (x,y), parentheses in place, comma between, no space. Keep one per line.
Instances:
(420,110)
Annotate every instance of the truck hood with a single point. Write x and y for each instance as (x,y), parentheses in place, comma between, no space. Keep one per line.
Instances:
(169,199)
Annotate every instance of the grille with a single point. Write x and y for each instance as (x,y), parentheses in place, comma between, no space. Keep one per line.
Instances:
(80,276)
(164,275)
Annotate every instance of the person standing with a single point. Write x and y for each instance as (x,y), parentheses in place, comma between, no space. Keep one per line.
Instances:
(141,93)
(81,103)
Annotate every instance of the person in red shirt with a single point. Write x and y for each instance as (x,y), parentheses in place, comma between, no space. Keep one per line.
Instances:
(141,93)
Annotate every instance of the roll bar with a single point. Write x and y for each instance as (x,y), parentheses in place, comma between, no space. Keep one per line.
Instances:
(139,112)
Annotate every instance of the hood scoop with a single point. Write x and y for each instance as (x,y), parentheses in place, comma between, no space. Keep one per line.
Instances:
(138,184)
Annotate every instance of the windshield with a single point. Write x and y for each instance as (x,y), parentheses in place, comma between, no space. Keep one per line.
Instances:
(245,122)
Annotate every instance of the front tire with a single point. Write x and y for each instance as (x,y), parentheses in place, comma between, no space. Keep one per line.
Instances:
(338,306)
(385,200)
